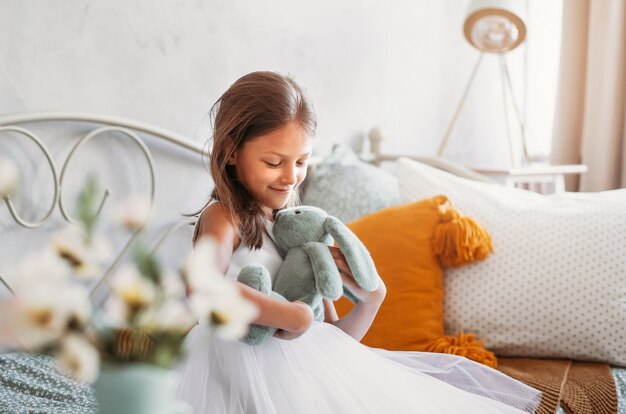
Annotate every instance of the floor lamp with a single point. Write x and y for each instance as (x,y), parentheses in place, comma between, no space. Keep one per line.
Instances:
(494,26)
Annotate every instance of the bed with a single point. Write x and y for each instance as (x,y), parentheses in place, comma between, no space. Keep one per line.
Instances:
(61,147)
(550,296)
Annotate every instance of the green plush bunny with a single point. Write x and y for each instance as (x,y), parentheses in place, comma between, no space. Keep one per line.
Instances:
(309,272)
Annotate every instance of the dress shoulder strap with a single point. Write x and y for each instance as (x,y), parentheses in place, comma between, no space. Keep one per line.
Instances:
(198,222)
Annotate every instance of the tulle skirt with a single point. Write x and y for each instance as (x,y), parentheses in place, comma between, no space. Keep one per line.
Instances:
(327,371)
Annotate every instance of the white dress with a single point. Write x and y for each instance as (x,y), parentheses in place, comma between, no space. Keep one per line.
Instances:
(327,371)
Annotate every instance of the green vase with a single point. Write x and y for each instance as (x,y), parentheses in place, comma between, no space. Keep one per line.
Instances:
(138,389)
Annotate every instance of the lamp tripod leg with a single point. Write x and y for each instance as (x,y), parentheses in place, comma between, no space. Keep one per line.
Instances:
(507,125)
(505,73)
(455,117)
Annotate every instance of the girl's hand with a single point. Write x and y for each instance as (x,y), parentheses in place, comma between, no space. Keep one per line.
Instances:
(375,298)
(286,335)
(306,319)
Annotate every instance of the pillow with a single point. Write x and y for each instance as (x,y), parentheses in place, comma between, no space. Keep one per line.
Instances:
(555,285)
(348,188)
(399,240)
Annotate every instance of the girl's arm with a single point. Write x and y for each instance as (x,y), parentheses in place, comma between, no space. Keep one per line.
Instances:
(358,321)
(294,318)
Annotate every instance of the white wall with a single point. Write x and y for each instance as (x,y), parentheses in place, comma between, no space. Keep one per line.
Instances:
(399,65)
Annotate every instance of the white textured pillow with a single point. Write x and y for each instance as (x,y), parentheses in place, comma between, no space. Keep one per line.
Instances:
(555,285)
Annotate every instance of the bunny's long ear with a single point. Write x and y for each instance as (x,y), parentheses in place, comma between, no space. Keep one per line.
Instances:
(357,256)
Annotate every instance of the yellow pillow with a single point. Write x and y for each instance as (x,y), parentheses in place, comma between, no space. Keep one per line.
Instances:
(404,241)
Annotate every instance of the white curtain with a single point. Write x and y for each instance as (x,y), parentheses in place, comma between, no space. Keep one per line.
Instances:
(589,125)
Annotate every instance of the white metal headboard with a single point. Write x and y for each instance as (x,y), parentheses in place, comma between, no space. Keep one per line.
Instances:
(169,136)
(126,127)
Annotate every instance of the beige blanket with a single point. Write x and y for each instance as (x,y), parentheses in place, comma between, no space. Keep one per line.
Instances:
(580,387)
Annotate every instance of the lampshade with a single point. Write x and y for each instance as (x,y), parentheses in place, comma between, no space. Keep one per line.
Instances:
(495,26)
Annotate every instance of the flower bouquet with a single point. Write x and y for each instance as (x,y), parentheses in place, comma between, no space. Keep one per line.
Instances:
(138,332)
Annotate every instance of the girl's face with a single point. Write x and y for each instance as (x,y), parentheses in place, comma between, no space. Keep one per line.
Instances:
(273,165)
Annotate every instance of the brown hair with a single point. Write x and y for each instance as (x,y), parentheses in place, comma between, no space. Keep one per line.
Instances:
(256,104)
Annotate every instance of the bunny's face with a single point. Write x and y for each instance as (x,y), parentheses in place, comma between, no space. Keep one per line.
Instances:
(296,226)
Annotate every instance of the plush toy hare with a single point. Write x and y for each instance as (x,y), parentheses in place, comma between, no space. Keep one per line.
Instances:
(309,272)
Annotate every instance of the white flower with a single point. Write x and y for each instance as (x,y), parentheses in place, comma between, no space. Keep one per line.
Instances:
(203,301)
(86,257)
(134,212)
(200,269)
(170,315)
(232,316)
(76,300)
(173,286)
(215,300)
(132,287)
(227,311)
(8,176)
(42,267)
(42,316)
(116,313)
(79,358)
(46,302)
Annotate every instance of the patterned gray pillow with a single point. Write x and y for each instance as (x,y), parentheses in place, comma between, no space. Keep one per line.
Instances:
(348,188)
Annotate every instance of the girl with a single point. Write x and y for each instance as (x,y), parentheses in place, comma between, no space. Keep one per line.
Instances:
(263,129)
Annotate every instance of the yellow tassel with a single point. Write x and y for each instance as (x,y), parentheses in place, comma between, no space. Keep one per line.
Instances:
(459,239)
(464,345)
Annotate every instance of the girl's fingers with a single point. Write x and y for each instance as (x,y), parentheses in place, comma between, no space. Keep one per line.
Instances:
(335,252)
(340,259)
(343,267)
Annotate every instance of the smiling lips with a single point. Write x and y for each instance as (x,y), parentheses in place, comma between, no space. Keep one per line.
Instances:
(281,191)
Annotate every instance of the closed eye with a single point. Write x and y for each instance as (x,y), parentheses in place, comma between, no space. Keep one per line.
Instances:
(298,163)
